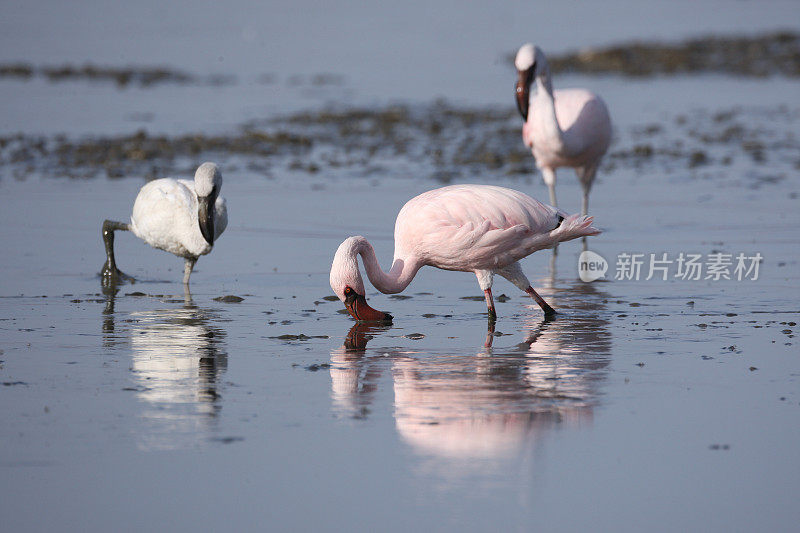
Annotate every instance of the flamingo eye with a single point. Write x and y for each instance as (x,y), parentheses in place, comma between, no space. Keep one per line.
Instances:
(347,290)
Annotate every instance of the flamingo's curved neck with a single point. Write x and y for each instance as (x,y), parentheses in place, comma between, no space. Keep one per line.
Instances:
(398,277)
(546,107)
(564,143)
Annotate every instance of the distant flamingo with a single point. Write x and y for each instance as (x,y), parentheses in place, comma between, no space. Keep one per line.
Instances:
(564,128)
(470,228)
(179,216)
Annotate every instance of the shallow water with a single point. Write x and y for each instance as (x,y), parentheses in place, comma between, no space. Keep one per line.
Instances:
(646,404)
(646,396)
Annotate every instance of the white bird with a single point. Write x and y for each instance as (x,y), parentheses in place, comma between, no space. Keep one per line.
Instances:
(470,228)
(182,217)
(563,128)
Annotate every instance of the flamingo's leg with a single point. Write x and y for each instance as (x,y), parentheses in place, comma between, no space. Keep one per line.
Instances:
(490,304)
(485,279)
(188,265)
(110,273)
(549,176)
(586,176)
(515,275)
(549,312)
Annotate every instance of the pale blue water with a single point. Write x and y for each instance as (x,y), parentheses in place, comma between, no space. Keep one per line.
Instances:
(647,405)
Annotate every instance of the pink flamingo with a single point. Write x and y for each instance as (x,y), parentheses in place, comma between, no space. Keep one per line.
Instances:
(564,128)
(470,228)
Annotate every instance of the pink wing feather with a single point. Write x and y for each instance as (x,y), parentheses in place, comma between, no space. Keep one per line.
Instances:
(467,227)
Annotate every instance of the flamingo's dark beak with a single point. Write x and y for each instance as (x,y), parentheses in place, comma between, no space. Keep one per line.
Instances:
(205,217)
(358,308)
(523,91)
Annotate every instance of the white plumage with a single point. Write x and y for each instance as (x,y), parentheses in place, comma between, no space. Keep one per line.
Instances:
(165,217)
(563,128)
(178,216)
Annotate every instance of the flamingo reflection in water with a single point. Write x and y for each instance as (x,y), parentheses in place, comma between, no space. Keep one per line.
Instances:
(178,356)
(491,405)
(354,377)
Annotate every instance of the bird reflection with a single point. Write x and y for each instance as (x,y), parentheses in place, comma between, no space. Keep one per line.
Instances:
(354,379)
(553,271)
(110,294)
(492,404)
(178,356)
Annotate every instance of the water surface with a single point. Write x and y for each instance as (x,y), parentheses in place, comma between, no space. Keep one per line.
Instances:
(646,404)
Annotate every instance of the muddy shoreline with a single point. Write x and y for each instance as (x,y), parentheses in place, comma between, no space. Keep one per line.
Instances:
(448,142)
(764,55)
(121,76)
(769,54)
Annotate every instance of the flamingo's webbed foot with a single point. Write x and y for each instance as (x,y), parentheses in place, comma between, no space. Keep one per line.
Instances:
(549,313)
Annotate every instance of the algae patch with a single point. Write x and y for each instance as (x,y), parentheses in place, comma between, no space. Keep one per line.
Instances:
(762,55)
